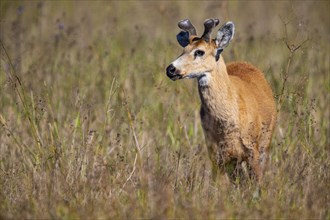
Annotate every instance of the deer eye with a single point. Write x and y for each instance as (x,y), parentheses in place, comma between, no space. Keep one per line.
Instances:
(199,53)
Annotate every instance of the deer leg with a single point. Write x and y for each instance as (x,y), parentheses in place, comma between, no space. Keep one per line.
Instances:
(264,144)
(219,159)
(215,170)
(211,149)
(254,162)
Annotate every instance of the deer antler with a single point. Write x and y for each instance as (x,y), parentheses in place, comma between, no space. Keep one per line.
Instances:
(187,26)
(209,24)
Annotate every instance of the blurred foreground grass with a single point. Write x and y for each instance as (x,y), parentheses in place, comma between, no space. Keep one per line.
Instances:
(96,129)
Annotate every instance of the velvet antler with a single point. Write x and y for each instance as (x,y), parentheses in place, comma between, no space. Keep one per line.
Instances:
(209,24)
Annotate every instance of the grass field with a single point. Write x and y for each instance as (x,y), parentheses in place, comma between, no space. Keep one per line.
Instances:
(91,127)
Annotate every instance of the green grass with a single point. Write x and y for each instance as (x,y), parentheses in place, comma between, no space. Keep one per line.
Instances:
(97,130)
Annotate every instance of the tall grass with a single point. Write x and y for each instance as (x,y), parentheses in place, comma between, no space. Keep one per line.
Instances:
(92,128)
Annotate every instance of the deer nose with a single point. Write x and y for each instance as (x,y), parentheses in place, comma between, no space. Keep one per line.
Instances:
(170,71)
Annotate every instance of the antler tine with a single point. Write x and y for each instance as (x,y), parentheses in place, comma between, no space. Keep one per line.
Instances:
(187,26)
(216,22)
(209,24)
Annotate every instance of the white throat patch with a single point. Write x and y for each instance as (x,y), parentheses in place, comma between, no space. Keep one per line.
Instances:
(204,80)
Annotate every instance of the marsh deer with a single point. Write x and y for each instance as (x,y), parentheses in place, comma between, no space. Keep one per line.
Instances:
(237,106)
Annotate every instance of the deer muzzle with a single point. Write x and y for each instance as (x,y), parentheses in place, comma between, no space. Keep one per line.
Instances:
(173,73)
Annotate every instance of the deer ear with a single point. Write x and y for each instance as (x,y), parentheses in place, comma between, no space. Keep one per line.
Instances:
(183,38)
(225,35)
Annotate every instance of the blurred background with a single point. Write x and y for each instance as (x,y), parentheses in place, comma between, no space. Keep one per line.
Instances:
(91,126)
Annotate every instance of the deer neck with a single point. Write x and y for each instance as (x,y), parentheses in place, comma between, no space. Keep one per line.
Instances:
(218,96)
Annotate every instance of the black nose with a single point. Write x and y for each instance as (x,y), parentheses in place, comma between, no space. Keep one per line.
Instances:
(170,71)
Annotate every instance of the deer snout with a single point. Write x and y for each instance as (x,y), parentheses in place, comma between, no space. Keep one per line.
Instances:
(173,73)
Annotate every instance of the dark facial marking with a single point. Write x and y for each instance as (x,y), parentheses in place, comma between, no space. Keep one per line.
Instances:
(217,56)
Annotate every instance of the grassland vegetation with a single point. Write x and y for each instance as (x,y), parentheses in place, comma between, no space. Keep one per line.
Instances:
(91,127)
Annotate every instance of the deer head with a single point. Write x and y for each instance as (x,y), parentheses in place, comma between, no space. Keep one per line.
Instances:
(200,54)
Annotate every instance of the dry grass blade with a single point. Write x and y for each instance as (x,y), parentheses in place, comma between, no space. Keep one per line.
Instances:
(91,127)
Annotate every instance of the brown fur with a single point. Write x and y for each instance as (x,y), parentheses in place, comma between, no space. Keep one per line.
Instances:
(237,109)
(257,111)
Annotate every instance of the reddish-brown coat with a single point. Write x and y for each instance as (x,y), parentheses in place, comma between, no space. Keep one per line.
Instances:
(238,112)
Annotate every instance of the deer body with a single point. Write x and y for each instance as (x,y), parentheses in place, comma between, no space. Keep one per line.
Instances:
(237,107)
(238,115)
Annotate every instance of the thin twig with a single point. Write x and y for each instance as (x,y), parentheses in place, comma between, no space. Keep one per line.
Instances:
(292,49)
